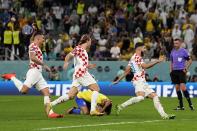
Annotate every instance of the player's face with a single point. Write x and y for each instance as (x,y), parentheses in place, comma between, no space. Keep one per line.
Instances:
(89,43)
(41,39)
(177,43)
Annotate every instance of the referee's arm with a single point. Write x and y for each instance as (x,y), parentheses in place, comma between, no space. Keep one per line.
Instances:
(188,63)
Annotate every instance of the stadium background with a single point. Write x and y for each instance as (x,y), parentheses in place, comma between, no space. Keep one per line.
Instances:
(115,26)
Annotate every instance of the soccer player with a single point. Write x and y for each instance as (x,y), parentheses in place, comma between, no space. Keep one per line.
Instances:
(83,100)
(142,89)
(34,75)
(81,76)
(180,63)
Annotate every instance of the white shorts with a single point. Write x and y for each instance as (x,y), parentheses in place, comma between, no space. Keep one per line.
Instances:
(142,87)
(85,80)
(34,78)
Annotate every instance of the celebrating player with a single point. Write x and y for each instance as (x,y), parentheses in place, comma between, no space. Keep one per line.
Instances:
(142,89)
(83,100)
(34,75)
(81,76)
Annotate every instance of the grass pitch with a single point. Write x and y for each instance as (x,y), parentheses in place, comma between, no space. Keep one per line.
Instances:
(26,113)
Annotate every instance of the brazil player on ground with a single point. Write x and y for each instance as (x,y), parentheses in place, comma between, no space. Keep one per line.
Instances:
(142,89)
(83,100)
(34,75)
(81,76)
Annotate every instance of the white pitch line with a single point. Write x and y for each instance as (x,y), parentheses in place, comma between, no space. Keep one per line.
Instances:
(93,125)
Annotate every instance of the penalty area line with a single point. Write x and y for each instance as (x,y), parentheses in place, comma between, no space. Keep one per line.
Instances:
(94,125)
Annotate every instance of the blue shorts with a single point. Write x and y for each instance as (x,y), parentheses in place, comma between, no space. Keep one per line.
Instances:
(81,103)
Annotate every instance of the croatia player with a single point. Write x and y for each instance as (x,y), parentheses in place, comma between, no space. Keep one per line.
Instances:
(142,89)
(81,76)
(34,75)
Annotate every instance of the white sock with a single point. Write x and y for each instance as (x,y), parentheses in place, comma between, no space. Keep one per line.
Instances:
(94,100)
(159,107)
(47,100)
(17,83)
(132,100)
(59,100)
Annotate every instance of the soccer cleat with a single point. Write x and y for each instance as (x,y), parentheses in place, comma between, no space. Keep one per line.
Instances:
(55,115)
(69,111)
(179,108)
(118,109)
(169,117)
(96,113)
(8,76)
(191,107)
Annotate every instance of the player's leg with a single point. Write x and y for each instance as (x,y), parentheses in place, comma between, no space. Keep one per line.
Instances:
(180,98)
(90,82)
(139,97)
(175,77)
(182,78)
(159,107)
(42,86)
(48,108)
(72,93)
(186,94)
(82,107)
(95,89)
(31,79)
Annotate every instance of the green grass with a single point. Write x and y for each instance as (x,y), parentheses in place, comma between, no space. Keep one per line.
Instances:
(26,113)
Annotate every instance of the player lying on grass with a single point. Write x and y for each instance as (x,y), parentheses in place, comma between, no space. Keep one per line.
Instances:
(34,75)
(83,100)
(142,89)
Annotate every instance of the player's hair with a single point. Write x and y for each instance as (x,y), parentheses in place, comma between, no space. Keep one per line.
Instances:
(138,44)
(108,109)
(84,39)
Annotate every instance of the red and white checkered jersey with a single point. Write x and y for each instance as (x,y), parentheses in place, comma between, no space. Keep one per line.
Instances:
(38,53)
(135,63)
(80,61)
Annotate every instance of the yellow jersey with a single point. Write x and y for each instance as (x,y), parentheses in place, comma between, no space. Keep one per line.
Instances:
(86,95)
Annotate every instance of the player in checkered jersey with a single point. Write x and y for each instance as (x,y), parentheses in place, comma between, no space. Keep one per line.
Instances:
(34,75)
(81,76)
(142,89)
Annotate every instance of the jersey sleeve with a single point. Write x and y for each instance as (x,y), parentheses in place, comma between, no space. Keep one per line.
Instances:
(186,54)
(32,49)
(76,51)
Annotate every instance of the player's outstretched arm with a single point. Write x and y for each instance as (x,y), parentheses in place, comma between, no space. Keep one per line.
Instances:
(127,71)
(67,60)
(91,66)
(151,64)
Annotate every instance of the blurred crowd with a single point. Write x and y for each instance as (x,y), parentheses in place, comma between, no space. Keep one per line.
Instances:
(115,26)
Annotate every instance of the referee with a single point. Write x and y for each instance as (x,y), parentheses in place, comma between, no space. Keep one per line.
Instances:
(180,62)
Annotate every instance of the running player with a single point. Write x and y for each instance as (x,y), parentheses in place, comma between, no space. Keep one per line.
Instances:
(34,75)
(81,76)
(142,89)
(83,100)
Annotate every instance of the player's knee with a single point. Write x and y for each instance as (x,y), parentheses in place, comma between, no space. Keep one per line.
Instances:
(140,98)
(23,91)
